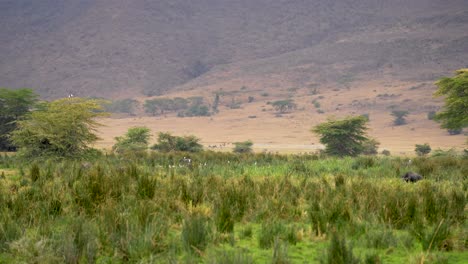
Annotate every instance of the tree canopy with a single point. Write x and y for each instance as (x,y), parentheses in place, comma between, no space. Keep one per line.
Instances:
(136,139)
(62,129)
(14,104)
(344,137)
(168,143)
(454,114)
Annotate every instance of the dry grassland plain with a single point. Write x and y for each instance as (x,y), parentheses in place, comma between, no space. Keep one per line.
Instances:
(290,132)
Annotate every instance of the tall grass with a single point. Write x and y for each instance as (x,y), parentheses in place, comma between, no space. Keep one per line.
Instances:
(151,207)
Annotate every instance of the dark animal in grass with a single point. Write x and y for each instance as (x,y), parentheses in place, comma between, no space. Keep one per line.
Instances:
(411,177)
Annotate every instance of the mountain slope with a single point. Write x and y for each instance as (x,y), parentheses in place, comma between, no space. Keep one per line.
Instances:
(118,48)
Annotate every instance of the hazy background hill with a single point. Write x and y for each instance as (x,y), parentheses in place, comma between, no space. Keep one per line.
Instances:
(120,48)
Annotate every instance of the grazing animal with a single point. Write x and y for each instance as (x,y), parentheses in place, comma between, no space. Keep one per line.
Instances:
(411,177)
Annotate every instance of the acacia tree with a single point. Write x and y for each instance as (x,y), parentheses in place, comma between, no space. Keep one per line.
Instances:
(454,115)
(168,143)
(135,140)
(62,129)
(343,137)
(14,104)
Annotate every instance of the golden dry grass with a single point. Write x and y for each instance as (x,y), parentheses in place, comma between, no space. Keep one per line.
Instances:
(291,131)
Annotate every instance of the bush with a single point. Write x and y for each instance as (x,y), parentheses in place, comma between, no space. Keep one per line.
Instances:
(370,147)
(135,140)
(168,143)
(243,147)
(457,131)
(399,117)
(422,150)
(386,152)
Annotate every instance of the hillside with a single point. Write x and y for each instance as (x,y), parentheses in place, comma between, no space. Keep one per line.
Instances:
(120,48)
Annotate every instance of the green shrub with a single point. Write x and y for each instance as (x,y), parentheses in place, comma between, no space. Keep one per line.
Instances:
(243,147)
(386,152)
(370,147)
(134,141)
(168,143)
(423,149)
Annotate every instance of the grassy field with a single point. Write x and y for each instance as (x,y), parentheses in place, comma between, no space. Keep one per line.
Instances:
(227,208)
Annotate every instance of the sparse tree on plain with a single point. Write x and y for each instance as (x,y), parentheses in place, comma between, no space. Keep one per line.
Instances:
(346,137)
(135,140)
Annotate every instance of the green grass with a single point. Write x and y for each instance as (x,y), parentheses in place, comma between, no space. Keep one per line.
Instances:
(228,208)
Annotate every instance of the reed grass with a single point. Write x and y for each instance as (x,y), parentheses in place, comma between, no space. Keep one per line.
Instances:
(152,207)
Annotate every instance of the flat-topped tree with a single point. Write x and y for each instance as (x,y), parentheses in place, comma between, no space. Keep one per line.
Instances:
(344,137)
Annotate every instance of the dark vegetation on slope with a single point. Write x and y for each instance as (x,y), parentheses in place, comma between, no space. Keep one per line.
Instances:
(124,48)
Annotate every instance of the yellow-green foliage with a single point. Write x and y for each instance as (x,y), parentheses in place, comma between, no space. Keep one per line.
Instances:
(254,207)
(60,129)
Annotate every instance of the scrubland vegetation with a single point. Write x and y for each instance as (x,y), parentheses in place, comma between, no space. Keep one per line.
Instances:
(65,202)
(234,208)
